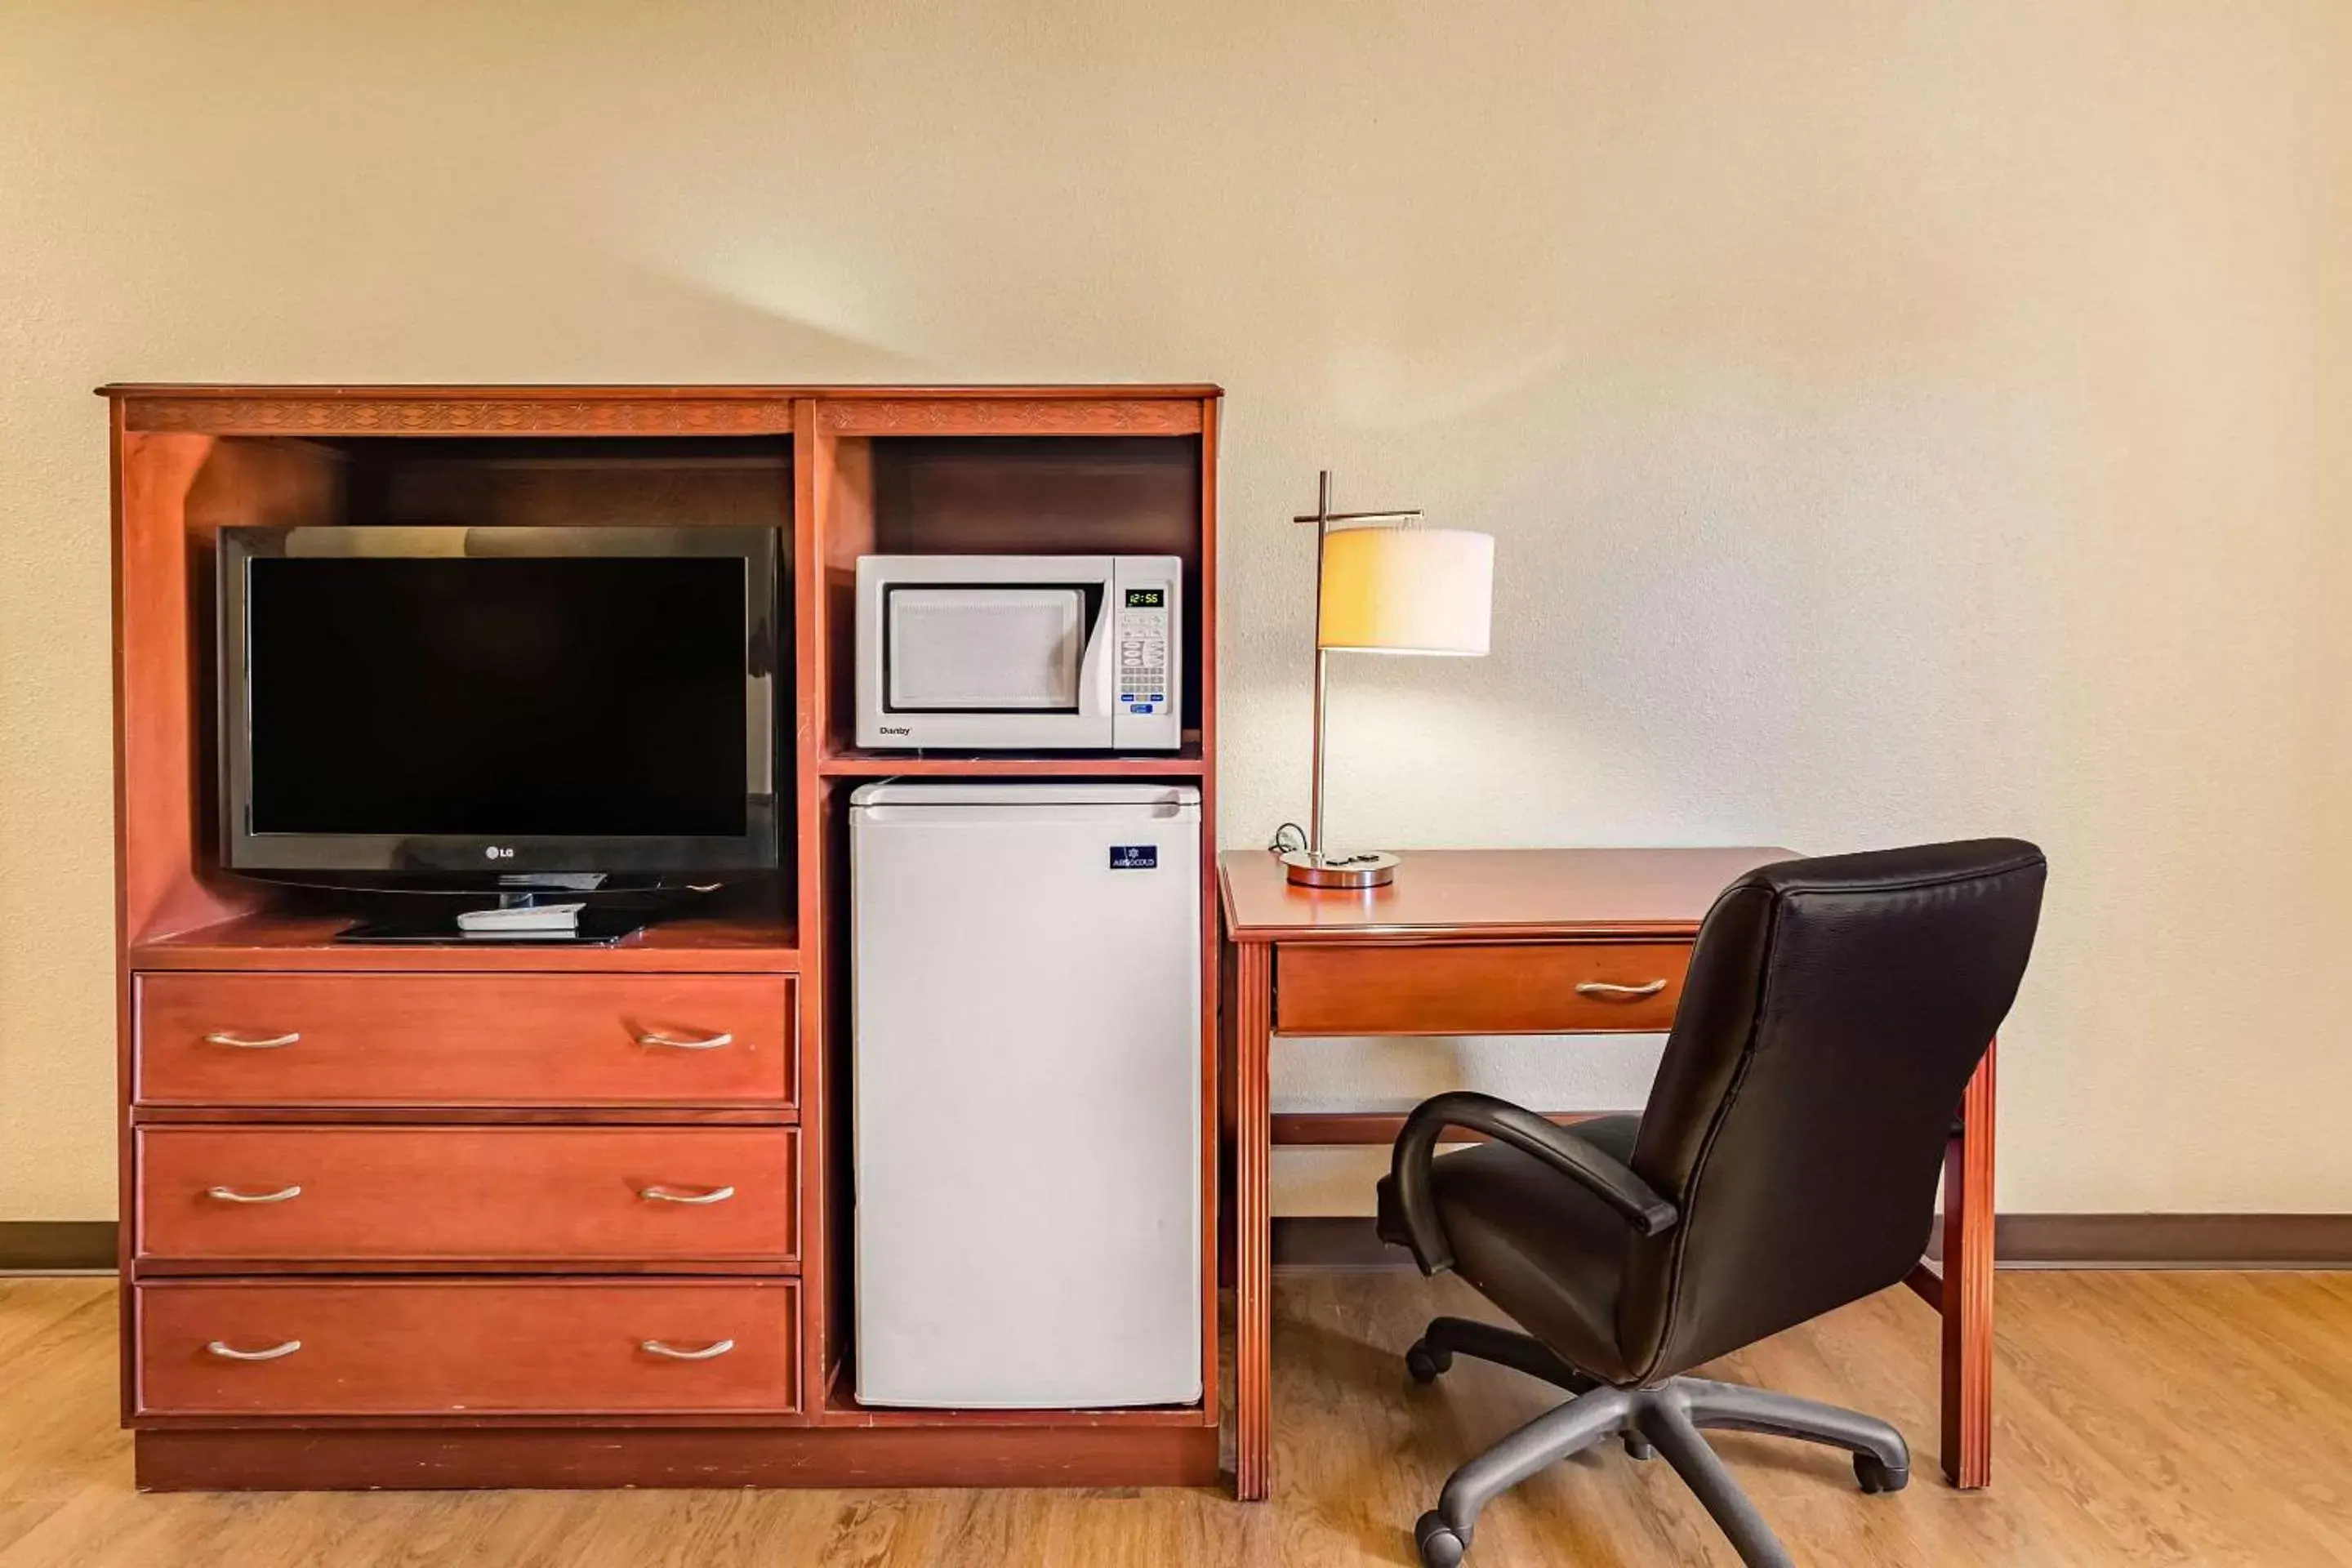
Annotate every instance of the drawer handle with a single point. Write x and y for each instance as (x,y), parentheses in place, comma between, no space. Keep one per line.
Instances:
(1607,991)
(670,1195)
(230,1353)
(231,1196)
(671,1042)
(712,1351)
(246,1043)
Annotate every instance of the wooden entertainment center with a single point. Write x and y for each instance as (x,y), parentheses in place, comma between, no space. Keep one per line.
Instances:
(505,1265)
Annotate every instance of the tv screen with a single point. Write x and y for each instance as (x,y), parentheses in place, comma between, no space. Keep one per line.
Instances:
(500,711)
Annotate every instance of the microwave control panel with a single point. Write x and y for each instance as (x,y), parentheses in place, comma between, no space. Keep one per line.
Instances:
(1146,627)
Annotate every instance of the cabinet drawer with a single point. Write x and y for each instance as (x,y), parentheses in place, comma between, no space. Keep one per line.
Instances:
(401,1348)
(471,1195)
(1478,988)
(465,1039)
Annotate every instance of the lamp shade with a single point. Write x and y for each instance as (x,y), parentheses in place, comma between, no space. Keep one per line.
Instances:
(1407,590)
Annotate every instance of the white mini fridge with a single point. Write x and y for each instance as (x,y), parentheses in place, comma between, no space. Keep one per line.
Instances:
(1027,1094)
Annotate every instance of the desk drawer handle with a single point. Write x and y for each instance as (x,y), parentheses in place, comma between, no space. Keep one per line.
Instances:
(669,1195)
(712,1351)
(1607,991)
(231,1196)
(246,1043)
(671,1042)
(230,1353)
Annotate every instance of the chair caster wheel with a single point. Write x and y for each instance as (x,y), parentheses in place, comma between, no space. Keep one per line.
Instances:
(1638,1446)
(1426,1365)
(1436,1539)
(1875,1477)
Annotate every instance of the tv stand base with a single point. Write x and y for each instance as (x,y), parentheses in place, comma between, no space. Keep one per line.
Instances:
(450,1458)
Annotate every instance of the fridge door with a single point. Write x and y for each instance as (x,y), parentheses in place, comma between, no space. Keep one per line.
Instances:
(1026,1095)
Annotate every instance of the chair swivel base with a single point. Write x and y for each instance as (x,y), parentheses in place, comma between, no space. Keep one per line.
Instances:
(1667,1419)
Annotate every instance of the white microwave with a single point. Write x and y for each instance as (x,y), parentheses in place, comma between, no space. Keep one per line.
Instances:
(1020,652)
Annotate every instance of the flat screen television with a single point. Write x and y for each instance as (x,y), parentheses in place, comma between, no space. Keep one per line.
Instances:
(456,707)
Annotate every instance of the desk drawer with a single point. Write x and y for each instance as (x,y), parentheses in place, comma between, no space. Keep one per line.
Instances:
(465,1039)
(398,1348)
(1478,988)
(482,1195)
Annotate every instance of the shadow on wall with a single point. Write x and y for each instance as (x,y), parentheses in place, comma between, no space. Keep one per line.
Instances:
(598,316)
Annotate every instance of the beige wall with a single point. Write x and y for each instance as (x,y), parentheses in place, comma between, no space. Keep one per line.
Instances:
(1898,420)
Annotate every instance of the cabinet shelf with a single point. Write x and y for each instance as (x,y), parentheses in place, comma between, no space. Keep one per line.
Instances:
(272,941)
(1185,762)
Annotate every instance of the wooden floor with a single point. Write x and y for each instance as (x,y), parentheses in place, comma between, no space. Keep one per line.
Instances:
(2185,1418)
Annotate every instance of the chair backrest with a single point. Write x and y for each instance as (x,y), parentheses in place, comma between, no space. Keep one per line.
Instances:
(1834,1012)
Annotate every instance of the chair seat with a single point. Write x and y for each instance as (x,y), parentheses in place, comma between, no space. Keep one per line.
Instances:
(1535,1243)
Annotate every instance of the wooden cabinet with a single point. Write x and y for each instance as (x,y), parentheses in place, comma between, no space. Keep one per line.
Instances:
(475,1183)
(521,1040)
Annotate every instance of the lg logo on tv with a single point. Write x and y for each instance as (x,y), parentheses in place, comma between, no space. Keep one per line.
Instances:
(494,852)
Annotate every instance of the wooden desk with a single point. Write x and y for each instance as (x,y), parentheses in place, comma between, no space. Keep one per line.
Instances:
(1492,942)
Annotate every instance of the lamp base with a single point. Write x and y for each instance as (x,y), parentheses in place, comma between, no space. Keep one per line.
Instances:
(1306,868)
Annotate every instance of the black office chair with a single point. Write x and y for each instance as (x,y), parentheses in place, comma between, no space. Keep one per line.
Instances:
(1785,1166)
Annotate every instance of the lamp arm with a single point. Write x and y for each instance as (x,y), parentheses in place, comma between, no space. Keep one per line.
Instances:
(1315,805)
(1322,665)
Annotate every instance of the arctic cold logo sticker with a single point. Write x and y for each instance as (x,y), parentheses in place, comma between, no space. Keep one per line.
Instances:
(1135,857)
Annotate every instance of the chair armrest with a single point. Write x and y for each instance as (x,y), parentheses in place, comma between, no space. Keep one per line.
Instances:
(1590,1167)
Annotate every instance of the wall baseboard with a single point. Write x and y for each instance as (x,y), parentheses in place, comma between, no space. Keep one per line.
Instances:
(2170,1241)
(56,1245)
(2019,1241)
(1347,1242)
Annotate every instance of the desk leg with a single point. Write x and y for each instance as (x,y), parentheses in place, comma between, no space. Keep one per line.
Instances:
(1253,1221)
(1968,1289)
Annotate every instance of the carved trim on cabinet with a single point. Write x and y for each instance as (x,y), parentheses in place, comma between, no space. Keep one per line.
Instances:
(1011,416)
(472,416)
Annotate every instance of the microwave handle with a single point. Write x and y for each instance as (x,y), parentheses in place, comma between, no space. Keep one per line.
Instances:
(1096,693)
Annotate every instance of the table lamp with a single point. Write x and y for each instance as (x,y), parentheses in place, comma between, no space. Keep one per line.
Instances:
(1384,584)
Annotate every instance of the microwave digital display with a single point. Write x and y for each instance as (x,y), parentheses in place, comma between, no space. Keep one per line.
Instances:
(1147,598)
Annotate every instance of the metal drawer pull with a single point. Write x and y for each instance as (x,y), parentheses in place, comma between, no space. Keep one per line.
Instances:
(245,1043)
(669,1195)
(707,1042)
(231,1196)
(1609,992)
(712,1351)
(229,1352)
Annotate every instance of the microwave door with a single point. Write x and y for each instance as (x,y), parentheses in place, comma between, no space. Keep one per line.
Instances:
(986,649)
